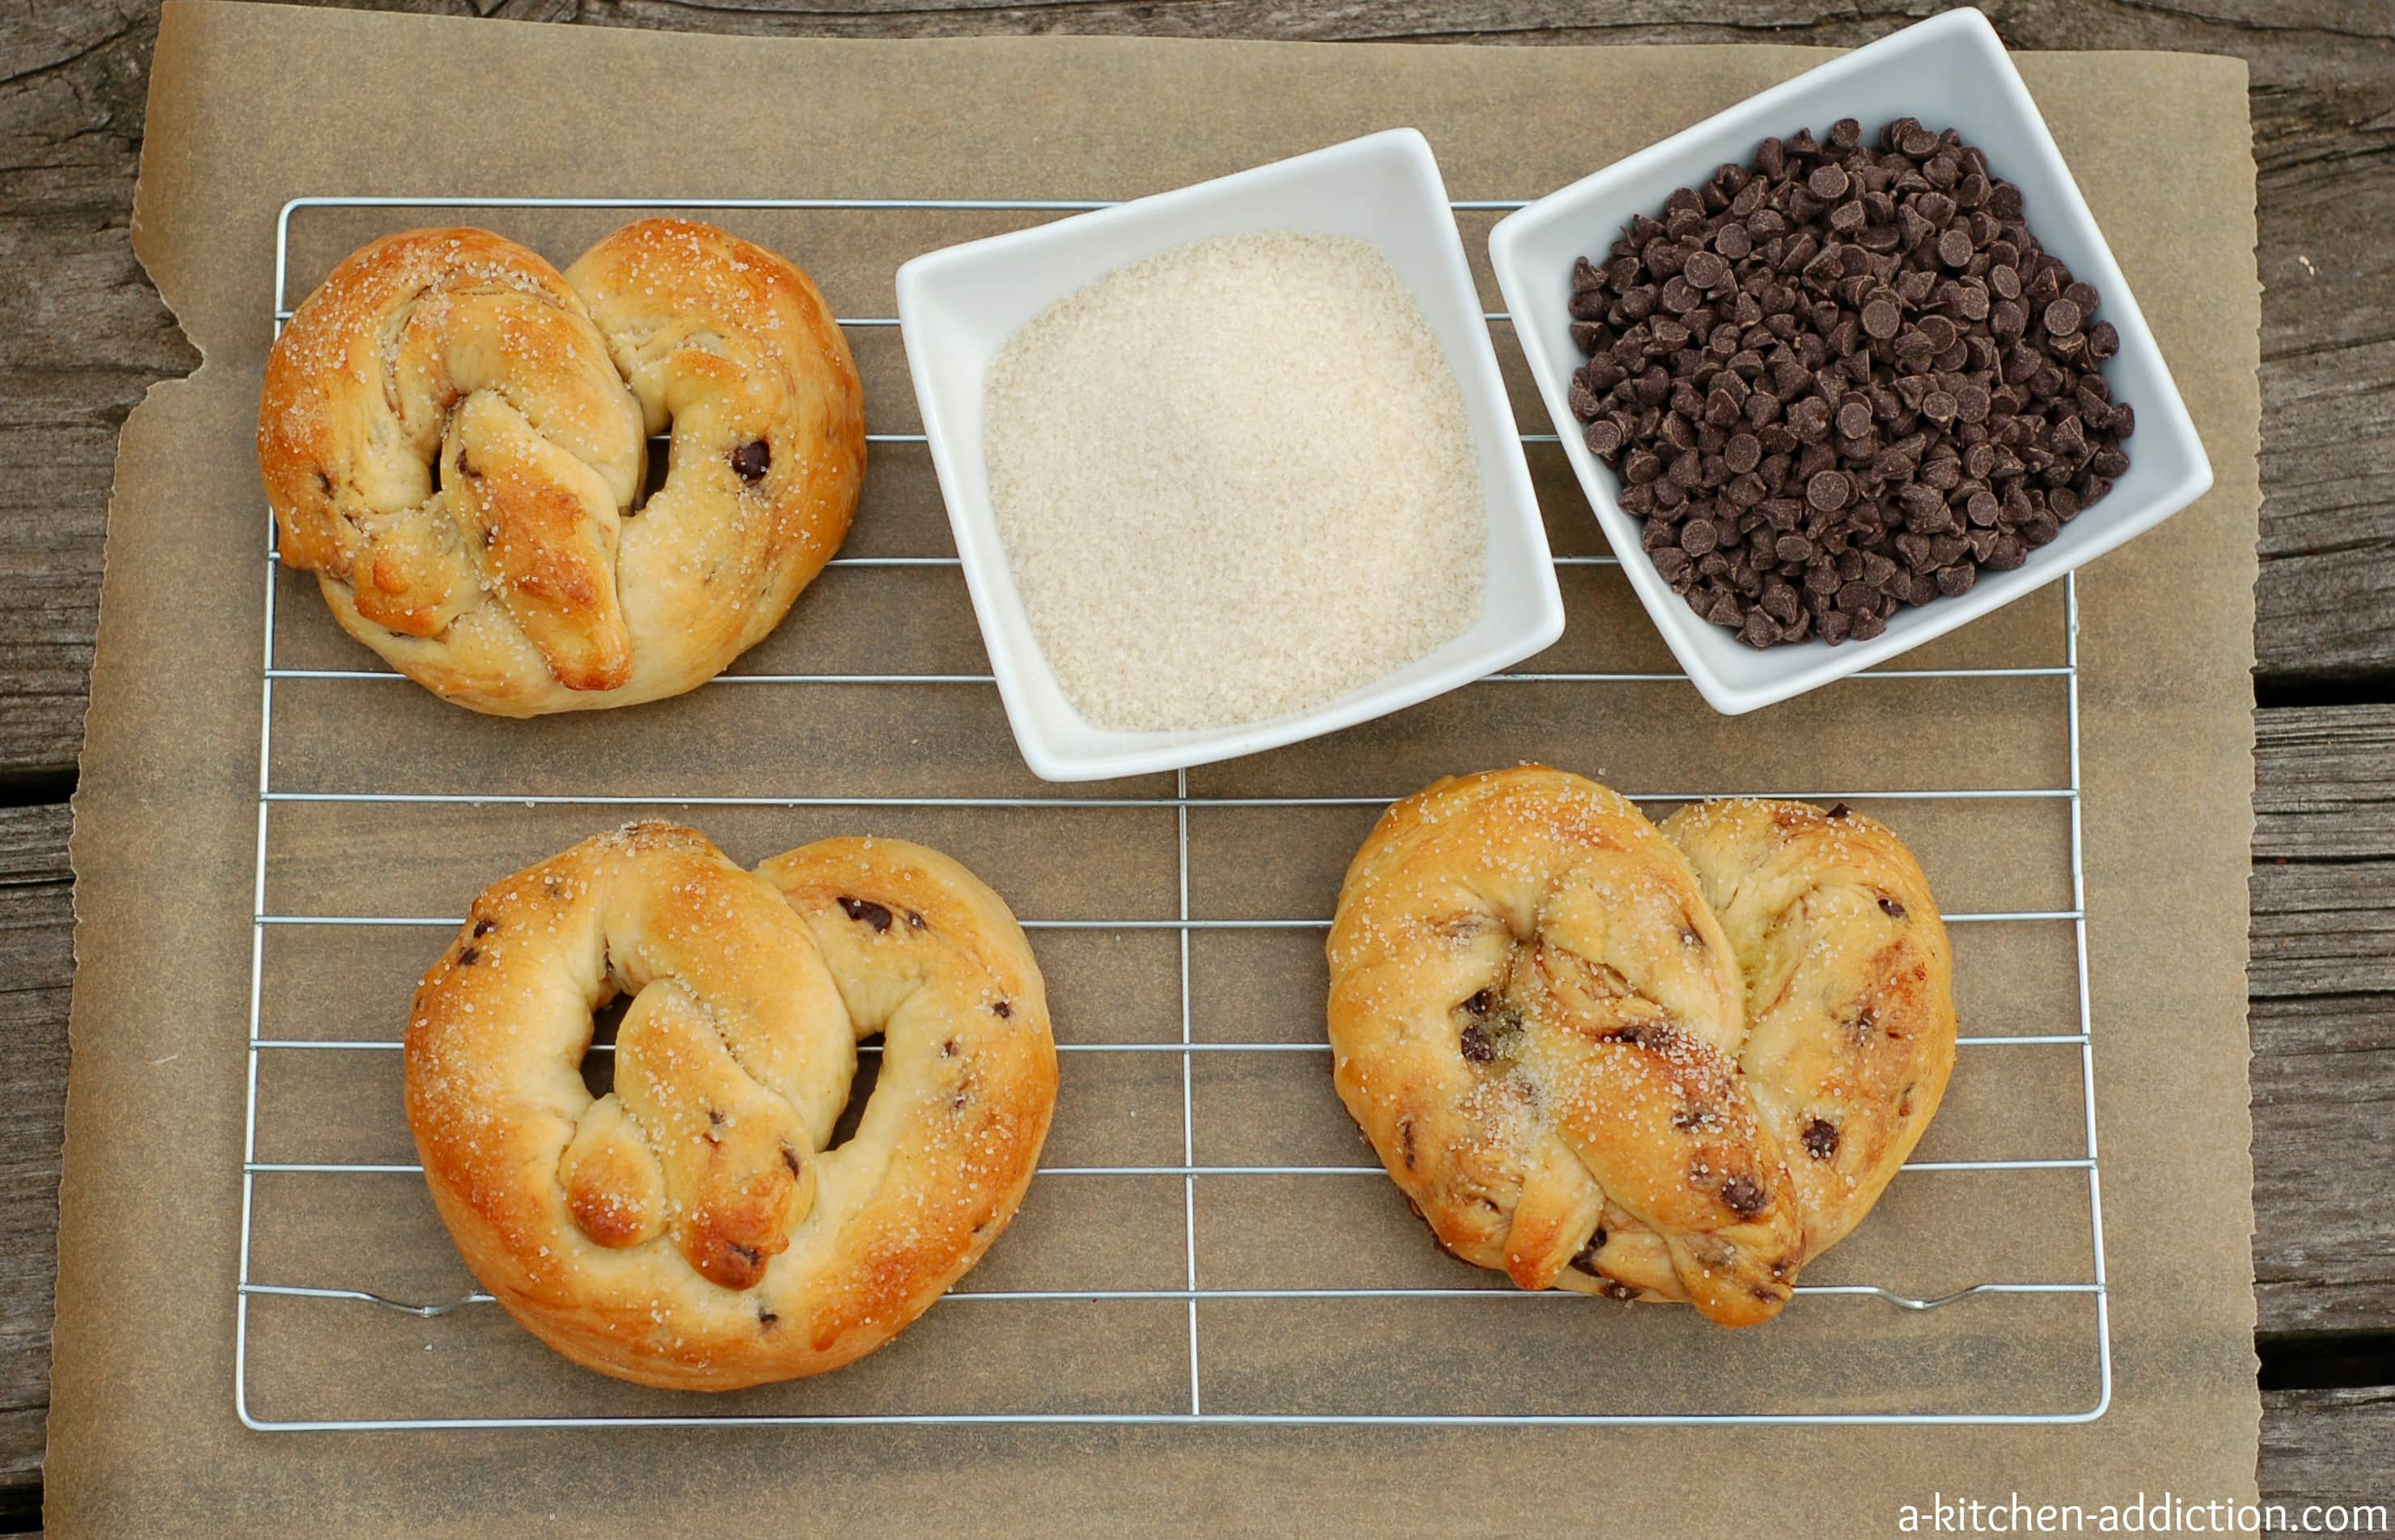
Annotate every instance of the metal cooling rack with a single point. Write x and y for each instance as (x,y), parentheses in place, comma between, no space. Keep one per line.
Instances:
(1190,1173)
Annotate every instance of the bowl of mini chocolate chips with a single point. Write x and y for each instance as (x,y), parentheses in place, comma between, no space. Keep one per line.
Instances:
(1847,366)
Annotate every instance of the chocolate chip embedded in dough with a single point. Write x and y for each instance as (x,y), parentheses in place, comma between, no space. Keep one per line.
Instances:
(1820,1139)
(1002,1010)
(1585,1259)
(484,927)
(752,460)
(1744,1196)
(1890,908)
(470,956)
(1476,1046)
(867,911)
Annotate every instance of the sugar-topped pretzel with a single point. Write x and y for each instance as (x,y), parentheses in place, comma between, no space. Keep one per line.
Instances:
(1663,1064)
(689,1228)
(453,436)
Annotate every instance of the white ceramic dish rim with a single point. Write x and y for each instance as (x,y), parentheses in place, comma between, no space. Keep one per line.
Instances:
(1507,492)
(2163,423)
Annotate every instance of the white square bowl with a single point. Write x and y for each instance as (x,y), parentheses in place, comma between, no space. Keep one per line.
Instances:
(1949,72)
(958,307)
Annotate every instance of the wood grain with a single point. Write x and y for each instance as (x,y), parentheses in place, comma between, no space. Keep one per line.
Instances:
(2326,1446)
(2323,1019)
(37,970)
(82,335)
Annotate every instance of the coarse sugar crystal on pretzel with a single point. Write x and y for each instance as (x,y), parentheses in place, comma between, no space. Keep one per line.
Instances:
(690,1229)
(453,438)
(1668,1064)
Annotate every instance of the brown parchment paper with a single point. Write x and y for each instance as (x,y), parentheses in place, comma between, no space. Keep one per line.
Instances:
(251,107)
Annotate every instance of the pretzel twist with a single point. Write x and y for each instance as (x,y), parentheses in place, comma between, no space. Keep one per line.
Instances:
(453,436)
(1671,1064)
(690,1228)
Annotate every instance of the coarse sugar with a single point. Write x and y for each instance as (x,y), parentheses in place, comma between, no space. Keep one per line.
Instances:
(1234,480)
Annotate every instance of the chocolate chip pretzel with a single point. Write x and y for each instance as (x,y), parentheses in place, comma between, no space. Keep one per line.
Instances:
(696,1228)
(453,436)
(1671,1064)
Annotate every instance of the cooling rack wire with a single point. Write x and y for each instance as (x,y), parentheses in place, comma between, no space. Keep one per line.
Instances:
(1191,1174)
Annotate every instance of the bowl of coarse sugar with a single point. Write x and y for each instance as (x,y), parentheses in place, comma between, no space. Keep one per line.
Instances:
(1231,466)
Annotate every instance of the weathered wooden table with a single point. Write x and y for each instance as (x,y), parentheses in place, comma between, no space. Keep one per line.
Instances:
(82,334)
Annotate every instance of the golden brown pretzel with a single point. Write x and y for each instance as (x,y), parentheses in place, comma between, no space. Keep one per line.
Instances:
(1669,1063)
(452,434)
(689,1229)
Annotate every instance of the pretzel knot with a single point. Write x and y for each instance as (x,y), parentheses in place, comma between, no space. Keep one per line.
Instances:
(691,1227)
(453,436)
(1665,1064)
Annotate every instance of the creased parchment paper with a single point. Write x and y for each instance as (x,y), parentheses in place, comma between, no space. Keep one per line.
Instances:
(251,107)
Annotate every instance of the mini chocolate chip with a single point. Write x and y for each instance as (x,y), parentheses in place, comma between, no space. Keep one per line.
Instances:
(1406,1139)
(1002,1010)
(1744,1196)
(1840,811)
(1585,1259)
(749,1254)
(867,910)
(766,1319)
(1829,490)
(484,927)
(1890,908)
(1475,1045)
(470,956)
(1480,1003)
(948,1049)
(914,920)
(752,460)
(1820,1139)
(789,1159)
(714,1118)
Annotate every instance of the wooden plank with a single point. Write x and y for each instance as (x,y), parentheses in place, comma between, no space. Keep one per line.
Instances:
(70,104)
(2323,1019)
(82,335)
(36,970)
(2327,1446)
